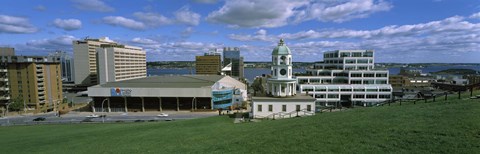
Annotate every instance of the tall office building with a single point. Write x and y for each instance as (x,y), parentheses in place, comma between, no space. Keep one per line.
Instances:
(34,79)
(5,55)
(346,77)
(6,51)
(208,64)
(85,63)
(118,62)
(66,65)
(232,56)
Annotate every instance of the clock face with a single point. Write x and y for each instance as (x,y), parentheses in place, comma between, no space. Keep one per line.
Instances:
(283,71)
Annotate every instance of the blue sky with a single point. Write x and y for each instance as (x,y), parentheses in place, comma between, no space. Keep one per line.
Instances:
(403,31)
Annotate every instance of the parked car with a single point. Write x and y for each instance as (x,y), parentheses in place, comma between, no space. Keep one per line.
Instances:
(162,115)
(92,116)
(39,119)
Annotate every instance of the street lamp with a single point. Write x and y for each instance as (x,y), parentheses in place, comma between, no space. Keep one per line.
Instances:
(103,116)
(8,120)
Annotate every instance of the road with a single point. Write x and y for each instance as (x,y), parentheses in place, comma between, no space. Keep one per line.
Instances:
(81,117)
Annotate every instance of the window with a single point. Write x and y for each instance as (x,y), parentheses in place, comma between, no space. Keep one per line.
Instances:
(345,89)
(320,96)
(362,61)
(368,82)
(309,107)
(270,108)
(358,96)
(370,75)
(350,61)
(381,81)
(384,96)
(298,107)
(356,54)
(355,81)
(356,75)
(368,54)
(284,108)
(358,89)
(259,108)
(332,89)
(381,75)
(332,95)
(371,96)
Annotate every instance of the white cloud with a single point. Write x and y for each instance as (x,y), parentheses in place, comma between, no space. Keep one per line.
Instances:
(439,40)
(144,41)
(92,5)
(342,11)
(260,35)
(185,16)
(177,50)
(13,24)
(277,13)
(59,43)
(152,19)
(206,1)
(187,32)
(256,13)
(40,8)
(68,24)
(147,20)
(124,22)
(475,15)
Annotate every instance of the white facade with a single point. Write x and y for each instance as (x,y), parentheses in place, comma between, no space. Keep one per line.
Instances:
(346,77)
(273,109)
(118,63)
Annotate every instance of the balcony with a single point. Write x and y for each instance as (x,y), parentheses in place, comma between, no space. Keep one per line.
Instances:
(4,97)
(4,89)
(4,79)
(3,70)
(41,98)
(40,75)
(40,84)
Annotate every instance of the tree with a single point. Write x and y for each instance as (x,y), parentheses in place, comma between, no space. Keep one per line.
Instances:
(257,86)
(16,104)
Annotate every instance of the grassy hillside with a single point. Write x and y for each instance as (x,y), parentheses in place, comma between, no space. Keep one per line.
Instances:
(440,127)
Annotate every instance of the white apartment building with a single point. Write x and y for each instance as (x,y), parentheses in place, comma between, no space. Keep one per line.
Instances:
(85,60)
(346,77)
(120,62)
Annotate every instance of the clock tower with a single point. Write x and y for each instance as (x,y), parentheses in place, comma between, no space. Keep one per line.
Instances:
(281,84)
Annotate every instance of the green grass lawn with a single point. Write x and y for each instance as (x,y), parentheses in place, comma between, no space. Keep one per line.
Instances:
(440,127)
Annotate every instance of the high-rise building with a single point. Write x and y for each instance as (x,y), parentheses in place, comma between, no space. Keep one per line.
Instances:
(66,65)
(6,51)
(346,77)
(35,80)
(232,56)
(85,63)
(118,62)
(208,64)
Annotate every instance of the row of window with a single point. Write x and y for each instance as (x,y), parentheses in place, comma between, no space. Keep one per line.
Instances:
(284,108)
(369,96)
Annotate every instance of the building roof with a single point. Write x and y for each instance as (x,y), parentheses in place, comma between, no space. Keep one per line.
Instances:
(172,81)
(281,49)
